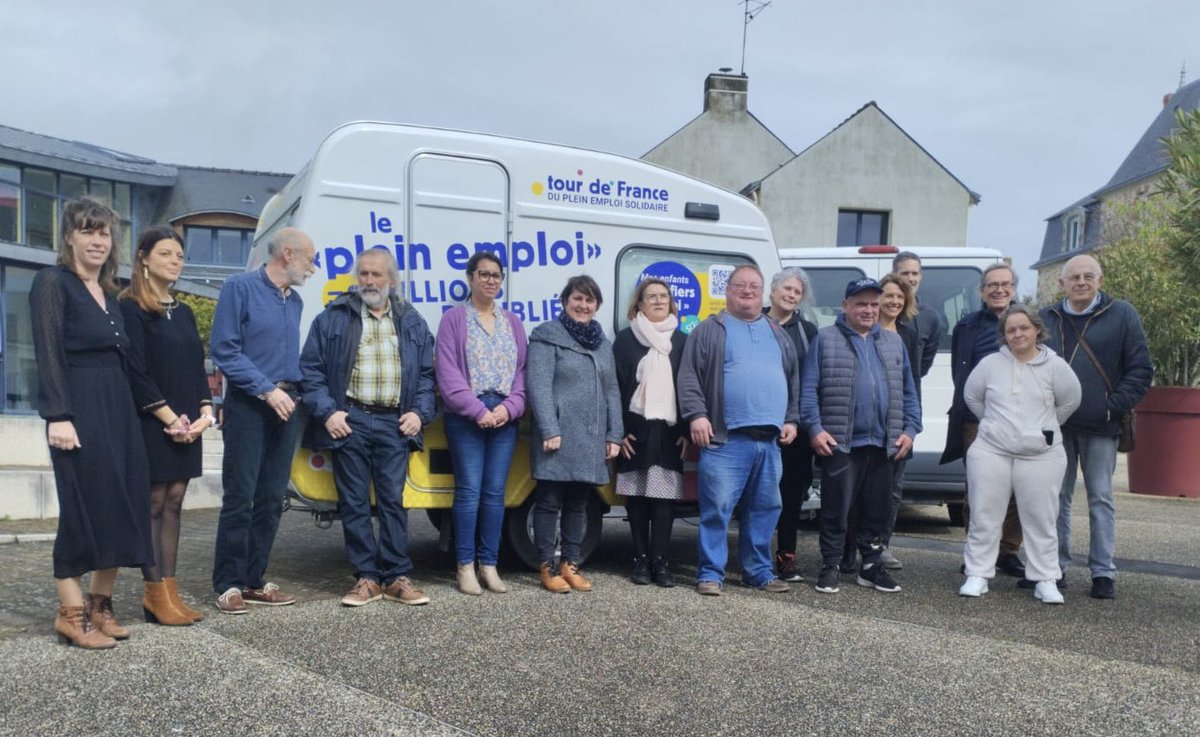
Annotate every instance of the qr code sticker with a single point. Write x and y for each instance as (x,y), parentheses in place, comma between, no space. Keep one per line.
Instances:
(718,279)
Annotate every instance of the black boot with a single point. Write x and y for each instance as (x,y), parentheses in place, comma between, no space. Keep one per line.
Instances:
(641,570)
(662,573)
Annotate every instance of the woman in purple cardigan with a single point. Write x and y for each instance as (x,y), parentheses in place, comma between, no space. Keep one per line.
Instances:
(481,375)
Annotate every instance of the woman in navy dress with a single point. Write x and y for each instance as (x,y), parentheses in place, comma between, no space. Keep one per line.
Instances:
(91,425)
(171,391)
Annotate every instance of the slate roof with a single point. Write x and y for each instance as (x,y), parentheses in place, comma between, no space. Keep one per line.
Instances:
(1147,159)
(200,190)
(36,149)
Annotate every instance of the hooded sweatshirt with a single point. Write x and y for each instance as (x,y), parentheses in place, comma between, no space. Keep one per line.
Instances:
(1021,406)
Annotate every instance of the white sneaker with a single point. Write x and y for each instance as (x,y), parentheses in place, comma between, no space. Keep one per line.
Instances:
(1048,592)
(974,586)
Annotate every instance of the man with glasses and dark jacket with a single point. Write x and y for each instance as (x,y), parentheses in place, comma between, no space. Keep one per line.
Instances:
(1102,340)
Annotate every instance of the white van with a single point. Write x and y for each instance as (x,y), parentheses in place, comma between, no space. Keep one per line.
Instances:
(950,284)
(434,197)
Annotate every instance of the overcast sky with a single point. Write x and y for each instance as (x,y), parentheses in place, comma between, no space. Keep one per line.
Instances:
(1031,103)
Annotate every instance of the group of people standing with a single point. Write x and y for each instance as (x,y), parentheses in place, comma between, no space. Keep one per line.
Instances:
(759,392)
(103,361)
(1039,395)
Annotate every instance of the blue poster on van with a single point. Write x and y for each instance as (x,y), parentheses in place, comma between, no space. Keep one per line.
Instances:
(685,288)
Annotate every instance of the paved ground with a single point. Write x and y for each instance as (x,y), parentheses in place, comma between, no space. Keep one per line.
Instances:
(626,659)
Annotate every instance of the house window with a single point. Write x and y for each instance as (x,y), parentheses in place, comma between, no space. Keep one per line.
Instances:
(31,203)
(1074,233)
(217,246)
(862,228)
(16,342)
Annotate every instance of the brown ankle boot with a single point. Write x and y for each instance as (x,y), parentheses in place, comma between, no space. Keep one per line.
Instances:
(103,619)
(553,581)
(575,579)
(74,627)
(173,591)
(158,607)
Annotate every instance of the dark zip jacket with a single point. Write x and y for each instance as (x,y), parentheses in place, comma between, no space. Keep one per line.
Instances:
(328,358)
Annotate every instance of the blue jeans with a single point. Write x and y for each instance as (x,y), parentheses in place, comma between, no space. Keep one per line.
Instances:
(481,459)
(549,497)
(1097,456)
(254,476)
(740,470)
(375,452)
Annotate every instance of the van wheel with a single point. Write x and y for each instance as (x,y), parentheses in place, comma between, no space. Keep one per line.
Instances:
(517,539)
(957,511)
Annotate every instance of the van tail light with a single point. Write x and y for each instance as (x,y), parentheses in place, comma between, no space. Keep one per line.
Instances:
(878,249)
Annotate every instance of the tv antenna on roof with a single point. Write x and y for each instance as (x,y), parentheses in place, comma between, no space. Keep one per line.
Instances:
(750,11)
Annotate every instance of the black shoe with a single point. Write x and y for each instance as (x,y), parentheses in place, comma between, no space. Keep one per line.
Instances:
(641,570)
(829,580)
(876,577)
(849,562)
(1104,587)
(662,573)
(1025,583)
(1009,563)
(785,563)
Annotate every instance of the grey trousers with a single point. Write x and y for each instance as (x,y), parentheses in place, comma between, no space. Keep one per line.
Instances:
(992,479)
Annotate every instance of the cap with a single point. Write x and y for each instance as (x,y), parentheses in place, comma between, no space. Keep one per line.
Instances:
(862,285)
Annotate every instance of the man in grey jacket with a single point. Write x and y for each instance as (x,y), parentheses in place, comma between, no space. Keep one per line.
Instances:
(738,391)
(1113,382)
(858,402)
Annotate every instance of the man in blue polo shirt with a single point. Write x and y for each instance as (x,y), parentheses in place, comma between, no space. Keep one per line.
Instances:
(256,344)
(858,402)
(738,391)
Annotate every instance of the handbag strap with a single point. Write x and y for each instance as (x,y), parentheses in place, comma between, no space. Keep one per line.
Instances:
(1088,350)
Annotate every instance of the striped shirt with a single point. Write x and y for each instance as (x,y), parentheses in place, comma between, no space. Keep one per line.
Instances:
(375,378)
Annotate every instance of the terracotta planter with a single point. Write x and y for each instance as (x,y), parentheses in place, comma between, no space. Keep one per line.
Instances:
(1167,459)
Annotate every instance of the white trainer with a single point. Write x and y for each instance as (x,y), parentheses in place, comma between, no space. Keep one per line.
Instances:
(1048,592)
(974,586)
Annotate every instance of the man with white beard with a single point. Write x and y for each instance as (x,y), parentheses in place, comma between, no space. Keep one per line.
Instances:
(368,383)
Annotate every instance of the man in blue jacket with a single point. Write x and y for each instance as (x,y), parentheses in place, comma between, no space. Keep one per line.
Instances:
(858,402)
(1113,382)
(368,384)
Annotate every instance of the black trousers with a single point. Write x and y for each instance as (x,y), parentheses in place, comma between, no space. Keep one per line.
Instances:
(858,483)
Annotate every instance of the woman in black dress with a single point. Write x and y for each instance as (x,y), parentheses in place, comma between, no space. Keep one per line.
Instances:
(171,391)
(650,466)
(91,425)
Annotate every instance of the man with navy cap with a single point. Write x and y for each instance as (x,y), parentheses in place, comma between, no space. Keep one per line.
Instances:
(858,403)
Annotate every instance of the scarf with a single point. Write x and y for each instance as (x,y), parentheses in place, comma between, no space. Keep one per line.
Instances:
(589,335)
(654,397)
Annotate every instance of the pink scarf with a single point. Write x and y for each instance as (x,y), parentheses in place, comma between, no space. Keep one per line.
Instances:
(654,397)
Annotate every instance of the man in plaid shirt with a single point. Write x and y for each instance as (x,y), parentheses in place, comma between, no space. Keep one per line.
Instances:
(368,382)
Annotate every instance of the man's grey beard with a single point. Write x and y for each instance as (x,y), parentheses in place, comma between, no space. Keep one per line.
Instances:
(373,297)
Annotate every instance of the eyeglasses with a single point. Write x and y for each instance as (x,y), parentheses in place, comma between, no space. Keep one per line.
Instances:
(742,286)
(993,285)
(489,275)
(1089,277)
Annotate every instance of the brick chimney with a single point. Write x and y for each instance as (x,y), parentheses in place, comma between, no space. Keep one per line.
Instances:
(725,92)
(1167,99)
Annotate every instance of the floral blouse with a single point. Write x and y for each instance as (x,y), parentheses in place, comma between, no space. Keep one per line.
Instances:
(491,359)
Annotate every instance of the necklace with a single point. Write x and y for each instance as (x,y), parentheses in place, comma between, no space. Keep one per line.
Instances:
(169,307)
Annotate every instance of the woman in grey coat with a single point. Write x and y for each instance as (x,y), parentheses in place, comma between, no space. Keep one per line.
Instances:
(571,386)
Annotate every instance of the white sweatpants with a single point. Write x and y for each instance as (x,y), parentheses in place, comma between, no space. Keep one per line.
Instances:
(991,479)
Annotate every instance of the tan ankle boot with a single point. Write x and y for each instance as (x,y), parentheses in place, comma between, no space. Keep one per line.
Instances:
(467,583)
(74,627)
(575,579)
(157,606)
(553,581)
(173,592)
(103,619)
(491,580)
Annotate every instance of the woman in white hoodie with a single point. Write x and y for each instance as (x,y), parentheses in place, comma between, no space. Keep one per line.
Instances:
(1021,395)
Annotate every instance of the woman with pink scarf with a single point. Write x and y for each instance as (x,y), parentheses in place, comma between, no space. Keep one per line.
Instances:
(650,466)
